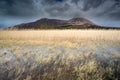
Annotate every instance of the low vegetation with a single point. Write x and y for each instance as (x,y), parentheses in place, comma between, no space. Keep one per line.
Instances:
(60,55)
(67,37)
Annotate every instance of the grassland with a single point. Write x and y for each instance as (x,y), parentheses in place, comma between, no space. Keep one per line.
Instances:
(36,37)
(59,55)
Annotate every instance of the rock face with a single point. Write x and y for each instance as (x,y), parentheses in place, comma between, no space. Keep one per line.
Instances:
(45,23)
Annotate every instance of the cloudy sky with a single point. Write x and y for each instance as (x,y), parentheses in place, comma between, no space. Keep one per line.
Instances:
(101,12)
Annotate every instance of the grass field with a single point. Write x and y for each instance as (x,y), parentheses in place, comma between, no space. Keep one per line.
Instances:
(59,54)
(35,37)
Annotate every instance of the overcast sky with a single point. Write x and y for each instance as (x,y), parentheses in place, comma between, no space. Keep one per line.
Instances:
(101,12)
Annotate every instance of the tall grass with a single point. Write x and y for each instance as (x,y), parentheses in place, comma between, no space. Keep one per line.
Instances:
(46,63)
(59,36)
(59,55)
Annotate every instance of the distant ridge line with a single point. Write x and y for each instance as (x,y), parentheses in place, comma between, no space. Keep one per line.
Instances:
(74,23)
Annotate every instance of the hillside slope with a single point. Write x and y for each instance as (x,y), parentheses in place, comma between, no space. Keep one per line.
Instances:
(74,23)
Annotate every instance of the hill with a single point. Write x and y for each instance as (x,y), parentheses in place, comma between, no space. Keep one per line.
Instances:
(74,23)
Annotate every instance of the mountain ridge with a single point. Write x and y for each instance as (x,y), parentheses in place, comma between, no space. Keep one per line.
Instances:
(46,23)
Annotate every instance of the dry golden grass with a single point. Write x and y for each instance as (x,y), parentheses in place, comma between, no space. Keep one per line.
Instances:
(27,64)
(62,37)
(88,59)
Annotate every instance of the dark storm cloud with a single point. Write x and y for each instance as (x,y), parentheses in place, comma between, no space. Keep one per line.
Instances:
(87,4)
(24,8)
(51,2)
(16,8)
(35,9)
(55,7)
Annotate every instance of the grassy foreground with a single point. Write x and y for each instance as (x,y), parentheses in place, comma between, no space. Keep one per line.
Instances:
(60,55)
